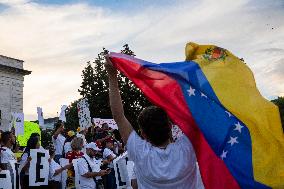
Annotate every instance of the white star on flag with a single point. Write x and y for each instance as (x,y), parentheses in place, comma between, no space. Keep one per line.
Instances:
(203,95)
(224,154)
(229,114)
(238,127)
(233,140)
(191,91)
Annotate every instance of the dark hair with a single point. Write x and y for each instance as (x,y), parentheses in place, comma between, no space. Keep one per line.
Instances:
(31,144)
(57,125)
(117,135)
(35,135)
(5,136)
(155,124)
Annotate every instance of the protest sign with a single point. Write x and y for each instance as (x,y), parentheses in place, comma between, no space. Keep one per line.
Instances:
(77,177)
(18,123)
(62,116)
(99,122)
(39,167)
(63,162)
(13,167)
(84,114)
(40,117)
(5,179)
(121,171)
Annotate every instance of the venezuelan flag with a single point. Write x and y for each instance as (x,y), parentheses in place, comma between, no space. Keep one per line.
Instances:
(212,96)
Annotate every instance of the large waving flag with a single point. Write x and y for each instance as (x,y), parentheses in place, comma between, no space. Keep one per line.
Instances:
(212,96)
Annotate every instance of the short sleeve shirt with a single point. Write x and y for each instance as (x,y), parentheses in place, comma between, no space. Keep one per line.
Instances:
(172,167)
(107,152)
(86,183)
(7,155)
(58,144)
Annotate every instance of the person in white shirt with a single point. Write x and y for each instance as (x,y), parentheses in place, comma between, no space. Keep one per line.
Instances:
(109,155)
(6,155)
(67,143)
(32,143)
(55,170)
(159,162)
(87,168)
(58,141)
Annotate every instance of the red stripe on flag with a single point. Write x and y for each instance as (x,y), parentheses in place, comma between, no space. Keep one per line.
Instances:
(165,92)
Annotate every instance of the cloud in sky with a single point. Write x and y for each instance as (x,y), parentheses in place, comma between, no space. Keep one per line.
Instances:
(56,38)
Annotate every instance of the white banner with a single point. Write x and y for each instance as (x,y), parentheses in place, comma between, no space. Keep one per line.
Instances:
(84,114)
(39,167)
(18,123)
(62,116)
(99,122)
(63,162)
(77,177)
(13,167)
(121,171)
(40,117)
(5,179)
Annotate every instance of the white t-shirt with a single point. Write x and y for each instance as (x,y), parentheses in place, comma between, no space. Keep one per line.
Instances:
(67,147)
(53,166)
(87,183)
(7,155)
(173,167)
(58,144)
(106,153)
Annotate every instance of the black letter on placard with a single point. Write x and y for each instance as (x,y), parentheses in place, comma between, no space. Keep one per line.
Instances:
(17,175)
(121,183)
(39,167)
(3,176)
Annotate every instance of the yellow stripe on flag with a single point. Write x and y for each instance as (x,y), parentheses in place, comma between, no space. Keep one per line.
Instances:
(234,85)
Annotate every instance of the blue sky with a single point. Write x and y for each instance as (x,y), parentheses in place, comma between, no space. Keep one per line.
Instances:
(56,38)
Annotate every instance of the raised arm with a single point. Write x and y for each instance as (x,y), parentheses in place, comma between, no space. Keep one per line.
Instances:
(58,131)
(116,106)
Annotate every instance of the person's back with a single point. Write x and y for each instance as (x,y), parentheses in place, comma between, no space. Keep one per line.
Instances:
(159,162)
(172,167)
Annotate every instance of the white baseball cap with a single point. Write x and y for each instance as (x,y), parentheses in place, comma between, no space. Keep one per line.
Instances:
(93,146)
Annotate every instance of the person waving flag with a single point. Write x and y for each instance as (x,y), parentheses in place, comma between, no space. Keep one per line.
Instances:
(212,96)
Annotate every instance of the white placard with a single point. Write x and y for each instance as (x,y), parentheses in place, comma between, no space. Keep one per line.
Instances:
(13,167)
(121,171)
(18,123)
(63,162)
(99,122)
(62,116)
(39,167)
(77,176)
(40,117)
(84,114)
(5,179)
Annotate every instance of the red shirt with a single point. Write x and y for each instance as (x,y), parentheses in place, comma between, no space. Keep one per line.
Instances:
(73,155)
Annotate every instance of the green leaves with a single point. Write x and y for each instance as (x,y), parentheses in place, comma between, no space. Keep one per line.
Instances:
(94,87)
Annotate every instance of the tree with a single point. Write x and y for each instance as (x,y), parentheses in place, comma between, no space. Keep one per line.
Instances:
(280,103)
(72,120)
(94,87)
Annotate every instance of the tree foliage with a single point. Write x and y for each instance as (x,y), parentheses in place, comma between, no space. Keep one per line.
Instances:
(94,87)
(280,103)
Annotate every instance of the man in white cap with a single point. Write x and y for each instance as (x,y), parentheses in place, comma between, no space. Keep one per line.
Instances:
(87,168)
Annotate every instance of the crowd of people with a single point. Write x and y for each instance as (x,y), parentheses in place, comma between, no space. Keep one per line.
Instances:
(160,160)
(95,148)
